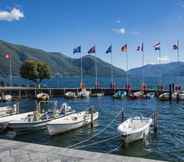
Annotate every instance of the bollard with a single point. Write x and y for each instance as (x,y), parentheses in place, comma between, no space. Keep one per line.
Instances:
(123,115)
(170,92)
(91,112)
(177,97)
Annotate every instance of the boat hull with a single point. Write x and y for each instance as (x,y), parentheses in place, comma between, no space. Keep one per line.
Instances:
(59,128)
(136,136)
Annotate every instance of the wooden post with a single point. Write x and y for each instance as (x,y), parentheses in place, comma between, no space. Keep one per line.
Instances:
(155,118)
(170,92)
(17,107)
(123,116)
(177,97)
(91,112)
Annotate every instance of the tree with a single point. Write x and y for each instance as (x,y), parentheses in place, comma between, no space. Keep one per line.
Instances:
(35,70)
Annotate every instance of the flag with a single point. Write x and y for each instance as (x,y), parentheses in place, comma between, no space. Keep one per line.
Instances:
(157,46)
(176,46)
(77,50)
(124,48)
(140,47)
(109,49)
(7,56)
(92,50)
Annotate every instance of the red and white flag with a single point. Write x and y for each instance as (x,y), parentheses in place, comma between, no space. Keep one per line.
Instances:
(7,56)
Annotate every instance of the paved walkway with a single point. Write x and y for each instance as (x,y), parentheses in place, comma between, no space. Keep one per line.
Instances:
(14,151)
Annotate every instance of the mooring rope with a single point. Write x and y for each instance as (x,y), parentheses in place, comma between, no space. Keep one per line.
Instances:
(97,134)
(98,142)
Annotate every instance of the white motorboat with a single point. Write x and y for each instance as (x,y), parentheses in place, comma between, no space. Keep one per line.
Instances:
(38,120)
(8,110)
(84,93)
(42,96)
(134,129)
(6,119)
(164,96)
(70,95)
(98,94)
(71,122)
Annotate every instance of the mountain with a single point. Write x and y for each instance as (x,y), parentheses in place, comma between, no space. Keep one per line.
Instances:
(169,69)
(59,62)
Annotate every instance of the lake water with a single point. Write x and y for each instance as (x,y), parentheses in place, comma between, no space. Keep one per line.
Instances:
(167,144)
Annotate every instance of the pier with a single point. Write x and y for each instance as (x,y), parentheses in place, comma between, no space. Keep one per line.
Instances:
(14,151)
(25,92)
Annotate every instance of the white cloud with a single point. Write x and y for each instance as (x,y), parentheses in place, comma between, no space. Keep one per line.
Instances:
(14,14)
(119,31)
(118,21)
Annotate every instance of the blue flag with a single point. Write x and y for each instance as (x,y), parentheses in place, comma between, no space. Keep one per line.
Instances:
(77,50)
(92,50)
(109,49)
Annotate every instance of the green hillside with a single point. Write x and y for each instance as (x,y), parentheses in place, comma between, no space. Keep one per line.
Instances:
(59,62)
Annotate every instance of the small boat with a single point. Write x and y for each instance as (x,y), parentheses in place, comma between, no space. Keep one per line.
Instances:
(164,96)
(37,120)
(42,97)
(6,98)
(83,93)
(142,95)
(119,95)
(134,129)
(6,119)
(99,94)
(70,95)
(71,122)
(8,110)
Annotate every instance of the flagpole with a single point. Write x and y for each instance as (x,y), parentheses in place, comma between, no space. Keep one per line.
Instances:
(127,68)
(178,51)
(96,80)
(159,64)
(143,66)
(81,71)
(112,79)
(10,66)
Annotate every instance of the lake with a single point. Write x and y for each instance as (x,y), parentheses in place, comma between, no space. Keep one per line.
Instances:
(167,144)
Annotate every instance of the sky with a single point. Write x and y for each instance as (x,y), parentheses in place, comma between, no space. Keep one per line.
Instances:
(61,25)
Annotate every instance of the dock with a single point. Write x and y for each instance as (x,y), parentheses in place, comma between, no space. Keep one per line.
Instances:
(15,151)
(29,92)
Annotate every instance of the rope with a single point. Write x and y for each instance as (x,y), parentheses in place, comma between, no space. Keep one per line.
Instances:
(100,132)
(95,143)
(116,148)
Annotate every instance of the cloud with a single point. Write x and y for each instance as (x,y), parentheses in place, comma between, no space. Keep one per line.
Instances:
(13,15)
(119,31)
(118,21)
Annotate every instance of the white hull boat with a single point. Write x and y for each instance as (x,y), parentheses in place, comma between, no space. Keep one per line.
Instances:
(38,120)
(8,110)
(42,96)
(84,93)
(70,122)
(70,95)
(134,129)
(5,120)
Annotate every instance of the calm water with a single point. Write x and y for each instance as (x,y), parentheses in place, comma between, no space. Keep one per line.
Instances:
(167,144)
